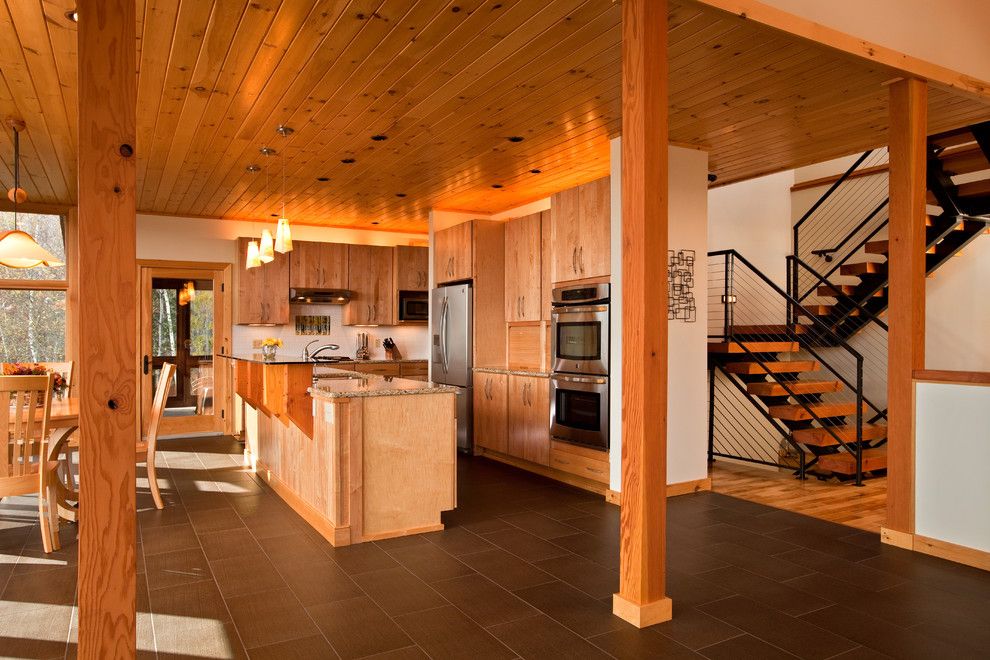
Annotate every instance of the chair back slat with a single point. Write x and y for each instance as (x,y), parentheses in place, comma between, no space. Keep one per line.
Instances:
(158,405)
(5,447)
(25,435)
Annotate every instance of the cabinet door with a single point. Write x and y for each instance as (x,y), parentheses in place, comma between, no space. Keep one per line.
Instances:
(580,230)
(262,292)
(411,268)
(565,230)
(490,428)
(523,245)
(546,250)
(369,277)
(453,254)
(314,265)
(529,419)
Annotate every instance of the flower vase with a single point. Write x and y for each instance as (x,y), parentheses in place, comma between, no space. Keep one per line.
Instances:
(268,352)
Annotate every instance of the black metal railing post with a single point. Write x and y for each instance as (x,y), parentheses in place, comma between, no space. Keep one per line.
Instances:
(725,298)
(859,421)
(711,413)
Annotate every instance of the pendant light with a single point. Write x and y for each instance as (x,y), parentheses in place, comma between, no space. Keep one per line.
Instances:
(283,233)
(266,251)
(253,260)
(18,249)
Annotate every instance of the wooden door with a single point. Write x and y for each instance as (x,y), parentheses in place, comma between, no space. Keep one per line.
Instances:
(529,419)
(412,267)
(186,328)
(523,247)
(453,257)
(490,408)
(369,277)
(262,292)
(580,232)
(317,265)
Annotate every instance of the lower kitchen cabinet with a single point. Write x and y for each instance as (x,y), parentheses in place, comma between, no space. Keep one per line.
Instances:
(490,409)
(529,419)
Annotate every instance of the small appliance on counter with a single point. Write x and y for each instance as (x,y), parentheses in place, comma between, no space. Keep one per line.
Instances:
(391,350)
(362,352)
(451,359)
(579,338)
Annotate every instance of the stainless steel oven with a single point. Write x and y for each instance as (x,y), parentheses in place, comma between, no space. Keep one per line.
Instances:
(579,409)
(579,329)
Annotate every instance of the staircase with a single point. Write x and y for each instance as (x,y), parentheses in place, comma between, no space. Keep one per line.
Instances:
(797,357)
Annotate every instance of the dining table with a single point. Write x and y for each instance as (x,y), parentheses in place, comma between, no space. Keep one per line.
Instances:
(63,421)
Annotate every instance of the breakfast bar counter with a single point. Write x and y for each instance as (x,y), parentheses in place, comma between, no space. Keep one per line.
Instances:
(359,456)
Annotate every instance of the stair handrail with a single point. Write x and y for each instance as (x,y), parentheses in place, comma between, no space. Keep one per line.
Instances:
(828,193)
(793,259)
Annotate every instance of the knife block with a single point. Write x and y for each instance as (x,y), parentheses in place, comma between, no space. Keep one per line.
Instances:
(392,354)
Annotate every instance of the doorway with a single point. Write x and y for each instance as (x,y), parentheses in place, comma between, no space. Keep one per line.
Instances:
(185,320)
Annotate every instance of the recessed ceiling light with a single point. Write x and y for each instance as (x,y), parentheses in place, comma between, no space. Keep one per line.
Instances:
(284,130)
(536,171)
(322,179)
(375,222)
(267,151)
(515,138)
(72,15)
(379,138)
(496,185)
(274,215)
(347,161)
(253,168)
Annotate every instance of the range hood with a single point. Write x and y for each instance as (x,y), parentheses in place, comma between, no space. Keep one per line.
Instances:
(319,296)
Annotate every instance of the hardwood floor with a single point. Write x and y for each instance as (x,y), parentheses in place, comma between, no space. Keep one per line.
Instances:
(863,508)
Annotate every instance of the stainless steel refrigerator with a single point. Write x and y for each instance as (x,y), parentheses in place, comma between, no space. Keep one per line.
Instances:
(451,319)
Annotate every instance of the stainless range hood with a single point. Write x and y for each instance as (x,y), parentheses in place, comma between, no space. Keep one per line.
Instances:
(319,296)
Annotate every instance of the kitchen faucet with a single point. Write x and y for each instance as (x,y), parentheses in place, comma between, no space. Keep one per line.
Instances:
(307,355)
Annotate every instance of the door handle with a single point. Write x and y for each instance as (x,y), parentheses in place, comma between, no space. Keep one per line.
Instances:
(147,363)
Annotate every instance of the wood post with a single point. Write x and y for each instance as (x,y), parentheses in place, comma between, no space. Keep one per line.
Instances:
(906,314)
(108,410)
(641,599)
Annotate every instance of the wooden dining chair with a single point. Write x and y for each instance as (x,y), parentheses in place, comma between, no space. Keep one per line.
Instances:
(146,449)
(25,468)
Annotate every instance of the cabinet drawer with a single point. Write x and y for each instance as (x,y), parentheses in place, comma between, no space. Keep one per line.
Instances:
(409,369)
(378,369)
(582,466)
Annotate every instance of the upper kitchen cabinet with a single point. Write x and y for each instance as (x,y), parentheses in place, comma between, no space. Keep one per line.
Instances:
(412,268)
(262,292)
(315,265)
(580,228)
(523,287)
(453,253)
(369,277)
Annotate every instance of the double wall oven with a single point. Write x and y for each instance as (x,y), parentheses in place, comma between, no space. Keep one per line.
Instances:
(579,338)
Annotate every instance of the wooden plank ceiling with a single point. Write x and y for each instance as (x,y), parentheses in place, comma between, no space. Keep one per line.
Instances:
(446,82)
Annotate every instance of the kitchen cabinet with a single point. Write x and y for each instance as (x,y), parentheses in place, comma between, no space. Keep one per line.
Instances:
(369,277)
(262,292)
(529,418)
(314,265)
(580,461)
(490,401)
(580,230)
(412,268)
(546,259)
(523,286)
(377,368)
(453,253)
(414,370)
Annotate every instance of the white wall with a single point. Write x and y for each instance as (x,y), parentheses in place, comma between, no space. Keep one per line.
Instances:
(952,450)
(198,239)
(687,392)
(951,33)
(957,311)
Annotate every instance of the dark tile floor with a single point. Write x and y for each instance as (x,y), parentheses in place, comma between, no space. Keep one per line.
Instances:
(526,568)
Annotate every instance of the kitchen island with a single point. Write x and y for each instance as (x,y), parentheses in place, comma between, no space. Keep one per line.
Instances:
(359,456)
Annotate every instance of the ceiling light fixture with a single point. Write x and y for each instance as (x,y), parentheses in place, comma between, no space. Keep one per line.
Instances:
(72,15)
(18,249)
(536,171)
(347,161)
(496,185)
(379,138)
(515,138)
(283,232)
(266,250)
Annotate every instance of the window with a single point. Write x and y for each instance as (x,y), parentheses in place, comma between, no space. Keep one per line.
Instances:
(32,300)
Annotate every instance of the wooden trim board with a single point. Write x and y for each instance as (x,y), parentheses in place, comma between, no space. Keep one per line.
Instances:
(828,180)
(673,490)
(542,470)
(959,554)
(337,536)
(952,377)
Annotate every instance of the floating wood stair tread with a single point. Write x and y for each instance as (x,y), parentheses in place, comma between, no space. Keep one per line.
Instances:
(798,413)
(963,160)
(974,188)
(769,329)
(863,268)
(825,310)
(795,387)
(883,247)
(754,347)
(785,367)
(845,462)
(843,290)
(820,437)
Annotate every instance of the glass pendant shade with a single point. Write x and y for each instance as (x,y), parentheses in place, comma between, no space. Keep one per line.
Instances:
(253,255)
(19,250)
(283,236)
(267,253)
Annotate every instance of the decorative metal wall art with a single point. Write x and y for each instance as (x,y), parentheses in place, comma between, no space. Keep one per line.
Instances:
(680,274)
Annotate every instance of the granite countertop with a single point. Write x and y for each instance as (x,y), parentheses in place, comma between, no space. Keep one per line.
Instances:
(350,384)
(512,372)
(287,358)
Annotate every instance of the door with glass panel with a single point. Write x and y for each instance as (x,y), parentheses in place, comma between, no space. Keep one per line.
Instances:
(184,314)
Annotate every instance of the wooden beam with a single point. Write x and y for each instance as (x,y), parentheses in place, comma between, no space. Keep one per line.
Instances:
(911,67)
(642,599)
(906,314)
(108,407)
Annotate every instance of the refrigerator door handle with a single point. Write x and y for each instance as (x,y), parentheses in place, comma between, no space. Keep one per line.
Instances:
(443,335)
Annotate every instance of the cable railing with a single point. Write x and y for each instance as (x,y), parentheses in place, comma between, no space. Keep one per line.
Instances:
(790,376)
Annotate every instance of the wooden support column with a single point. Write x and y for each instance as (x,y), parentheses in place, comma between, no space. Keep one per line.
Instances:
(108,410)
(642,599)
(906,314)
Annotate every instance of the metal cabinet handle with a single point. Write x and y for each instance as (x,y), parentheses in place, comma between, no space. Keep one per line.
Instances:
(581,258)
(574,261)
(522,306)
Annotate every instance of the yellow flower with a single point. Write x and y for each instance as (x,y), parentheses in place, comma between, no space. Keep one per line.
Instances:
(271,341)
